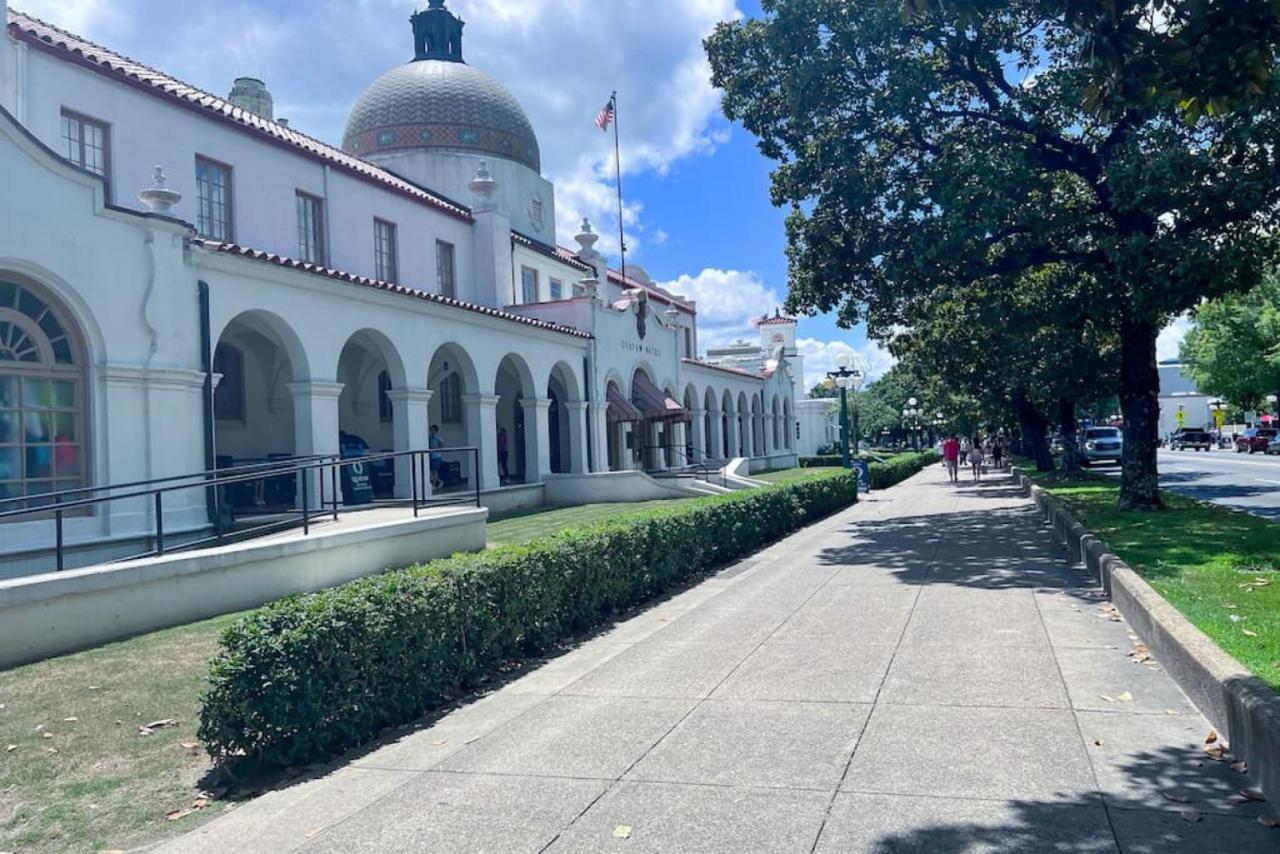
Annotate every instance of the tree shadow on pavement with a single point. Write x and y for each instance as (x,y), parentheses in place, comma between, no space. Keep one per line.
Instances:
(1175,799)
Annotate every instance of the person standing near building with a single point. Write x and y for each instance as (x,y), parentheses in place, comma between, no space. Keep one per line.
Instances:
(434,442)
(951,457)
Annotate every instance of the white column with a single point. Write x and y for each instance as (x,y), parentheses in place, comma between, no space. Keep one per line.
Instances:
(730,446)
(598,425)
(680,443)
(315,428)
(578,428)
(411,431)
(654,439)
(537,439)
(698,435)
(482,433)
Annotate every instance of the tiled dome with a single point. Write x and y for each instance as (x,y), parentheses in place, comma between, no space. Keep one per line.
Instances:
(444,106)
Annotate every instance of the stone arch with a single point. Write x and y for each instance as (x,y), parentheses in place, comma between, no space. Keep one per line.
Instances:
(564,419)
(744,433)
(453,413)
(516,433)
(370,369)
(788,425)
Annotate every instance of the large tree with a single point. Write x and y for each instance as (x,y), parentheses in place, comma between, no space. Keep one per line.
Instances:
(1233,350)
(928,145)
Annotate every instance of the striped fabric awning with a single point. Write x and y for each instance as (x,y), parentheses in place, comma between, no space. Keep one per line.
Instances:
(620,409)
(655,404)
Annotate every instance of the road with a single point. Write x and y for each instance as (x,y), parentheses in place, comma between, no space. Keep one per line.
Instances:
(1245,482)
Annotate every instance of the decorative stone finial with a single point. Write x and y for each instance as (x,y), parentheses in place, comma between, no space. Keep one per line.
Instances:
(588,287)
(483,186)
(159,198)
(586,238)
(671,314)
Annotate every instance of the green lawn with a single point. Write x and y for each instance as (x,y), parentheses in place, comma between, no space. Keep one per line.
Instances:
(75,774)
(1219,567)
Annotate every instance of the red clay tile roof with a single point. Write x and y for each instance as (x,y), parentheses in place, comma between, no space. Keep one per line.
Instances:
(655,292)
(775,320)
(73,48)
(739,371)
(364,281)
(564,256)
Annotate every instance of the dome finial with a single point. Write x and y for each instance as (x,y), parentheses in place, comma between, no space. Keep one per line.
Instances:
(437,33)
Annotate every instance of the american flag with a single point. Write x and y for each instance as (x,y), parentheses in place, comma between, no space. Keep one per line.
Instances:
(605,116)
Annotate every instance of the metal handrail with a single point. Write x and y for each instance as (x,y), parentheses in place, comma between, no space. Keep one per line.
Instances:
(56,495)
(301,468)
(691,466)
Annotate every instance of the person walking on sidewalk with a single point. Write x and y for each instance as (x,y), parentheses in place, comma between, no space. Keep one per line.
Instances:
(997,451)
(975,458)
(951,457)
(964,451)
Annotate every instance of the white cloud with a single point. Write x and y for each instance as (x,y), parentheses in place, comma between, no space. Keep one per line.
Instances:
(727,300)
(1170,340)
(820,357)
(560,58)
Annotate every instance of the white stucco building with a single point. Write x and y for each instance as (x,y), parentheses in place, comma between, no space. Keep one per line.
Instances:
(272,293)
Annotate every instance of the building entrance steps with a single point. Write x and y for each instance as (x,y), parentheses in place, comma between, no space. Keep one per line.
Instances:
(923,672)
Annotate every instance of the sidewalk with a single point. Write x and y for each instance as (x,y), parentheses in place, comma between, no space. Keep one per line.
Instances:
(923,672)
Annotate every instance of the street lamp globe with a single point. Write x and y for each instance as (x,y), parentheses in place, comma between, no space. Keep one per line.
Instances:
(912,402)
(842,360)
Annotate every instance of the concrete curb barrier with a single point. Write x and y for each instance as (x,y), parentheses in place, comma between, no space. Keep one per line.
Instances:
(1241,706)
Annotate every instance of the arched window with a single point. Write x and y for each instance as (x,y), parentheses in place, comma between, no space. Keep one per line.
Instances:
(42,388)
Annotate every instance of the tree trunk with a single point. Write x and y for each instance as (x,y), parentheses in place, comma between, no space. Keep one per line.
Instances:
(1067,422)
(1034,428)
(1140,405)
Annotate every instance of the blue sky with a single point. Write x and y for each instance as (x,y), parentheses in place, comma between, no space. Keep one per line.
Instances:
(699,218)
(698,213)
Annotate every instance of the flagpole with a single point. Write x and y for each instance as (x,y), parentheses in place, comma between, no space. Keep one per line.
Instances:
(617,162)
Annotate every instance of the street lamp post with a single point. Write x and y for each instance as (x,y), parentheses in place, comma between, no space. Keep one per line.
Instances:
(911,418)
(939,421)
(844,377)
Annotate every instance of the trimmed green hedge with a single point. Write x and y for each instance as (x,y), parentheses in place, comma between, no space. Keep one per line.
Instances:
(820,461)
(886,474)
(309,675)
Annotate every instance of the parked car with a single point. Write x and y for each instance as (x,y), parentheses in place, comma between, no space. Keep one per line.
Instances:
(1255,439)
(1274,446)
(1101,445)
(1196,440)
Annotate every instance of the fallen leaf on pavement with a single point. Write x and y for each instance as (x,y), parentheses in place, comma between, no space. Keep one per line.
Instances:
(9,748)
(51,750)
(1125,697)
(1211,737)
(1241,767)
(46,735)
(1176,797)
(174,815)
(1173,712)
(70,720)
(1098,742)
(1237,800)
(622,831)
(1268,821)
(1253,794)
(1191,814)
(1216,751)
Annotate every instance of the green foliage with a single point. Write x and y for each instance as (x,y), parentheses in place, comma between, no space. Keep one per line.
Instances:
(820,461)
(954,150)
(1234,348)
(304,677)
(897,469)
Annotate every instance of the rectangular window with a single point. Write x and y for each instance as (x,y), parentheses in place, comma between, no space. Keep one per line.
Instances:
(213,200)
(528,285)
(310,228)
(688,342)
(451,399)
(384,250)
(446,274)
(557,289)
(86,144)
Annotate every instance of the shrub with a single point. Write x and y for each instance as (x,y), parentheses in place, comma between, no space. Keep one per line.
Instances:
(895,470)
(309,675)
(820,461)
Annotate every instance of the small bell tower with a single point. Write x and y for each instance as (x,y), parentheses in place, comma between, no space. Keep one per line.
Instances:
(437,33)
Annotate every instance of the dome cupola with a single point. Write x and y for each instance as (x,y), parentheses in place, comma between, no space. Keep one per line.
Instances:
(438,102)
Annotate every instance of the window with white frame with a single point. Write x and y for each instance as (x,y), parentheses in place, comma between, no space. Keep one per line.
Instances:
(384,251)
(446,272)
(528,285)
(213,200)
(310,228)
(557,289)
(451,399)
(86,143)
